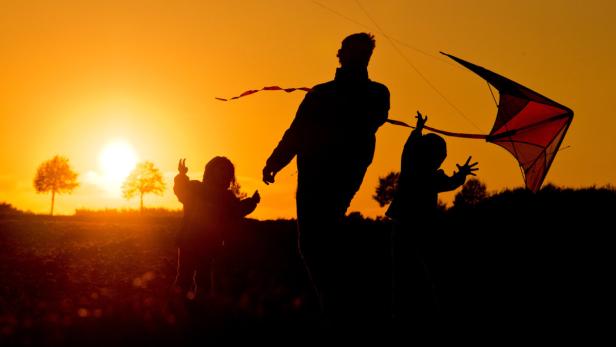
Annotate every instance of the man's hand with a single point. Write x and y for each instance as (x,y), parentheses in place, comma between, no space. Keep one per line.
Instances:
(467,169)
(256,197)
(268,175)
(182,167)
(421,121)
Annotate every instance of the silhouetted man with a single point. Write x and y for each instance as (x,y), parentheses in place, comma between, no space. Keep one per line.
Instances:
(333,136)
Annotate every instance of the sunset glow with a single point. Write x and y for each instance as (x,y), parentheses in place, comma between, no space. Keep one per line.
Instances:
(116,160)
(110,84)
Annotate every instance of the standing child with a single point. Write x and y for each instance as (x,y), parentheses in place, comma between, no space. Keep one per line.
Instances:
(414,211)
(210,210)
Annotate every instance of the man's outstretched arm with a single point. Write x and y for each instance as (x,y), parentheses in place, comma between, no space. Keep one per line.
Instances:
(289,144)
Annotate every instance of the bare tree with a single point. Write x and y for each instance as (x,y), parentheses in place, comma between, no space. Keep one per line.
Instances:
(55,176)
(145,178)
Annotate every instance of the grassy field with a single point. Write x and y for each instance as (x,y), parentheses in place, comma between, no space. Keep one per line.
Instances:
(516,265)
(72,281)
(94,281)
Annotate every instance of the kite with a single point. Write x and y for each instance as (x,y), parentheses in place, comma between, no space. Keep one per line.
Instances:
(528,125)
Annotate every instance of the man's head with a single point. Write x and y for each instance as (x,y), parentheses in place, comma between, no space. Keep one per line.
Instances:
(356,50)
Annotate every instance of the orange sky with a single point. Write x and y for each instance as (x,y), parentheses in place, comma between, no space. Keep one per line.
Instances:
(77,75)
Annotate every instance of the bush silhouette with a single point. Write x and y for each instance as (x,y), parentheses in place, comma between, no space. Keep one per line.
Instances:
(385,190)
(472,193)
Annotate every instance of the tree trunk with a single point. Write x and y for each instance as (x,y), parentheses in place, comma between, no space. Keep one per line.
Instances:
(53,199)
(141,196)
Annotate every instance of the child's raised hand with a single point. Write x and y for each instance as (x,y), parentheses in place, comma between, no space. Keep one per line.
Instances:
(467,169)
(421,120)
(182,167)
(256,197)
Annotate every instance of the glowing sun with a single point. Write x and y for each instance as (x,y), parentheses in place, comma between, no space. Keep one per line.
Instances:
(116,160)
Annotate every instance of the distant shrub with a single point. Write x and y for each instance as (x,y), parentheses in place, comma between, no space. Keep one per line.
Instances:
(128,213)
(472,193)
(8,210)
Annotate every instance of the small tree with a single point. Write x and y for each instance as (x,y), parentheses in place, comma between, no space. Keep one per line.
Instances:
(472,193)
(145,178)
(55,176)
(385,190)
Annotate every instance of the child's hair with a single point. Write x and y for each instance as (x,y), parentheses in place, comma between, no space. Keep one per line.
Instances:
(433,150)
(219,171)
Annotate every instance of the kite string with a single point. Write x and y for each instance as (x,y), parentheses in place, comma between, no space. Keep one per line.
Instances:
(400,42)
(419,73)
(493,98)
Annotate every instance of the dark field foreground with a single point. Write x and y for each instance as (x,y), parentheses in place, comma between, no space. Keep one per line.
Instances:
(66,280)
(515,267)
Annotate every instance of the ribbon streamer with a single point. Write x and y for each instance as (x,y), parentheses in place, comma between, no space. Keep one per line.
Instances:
(252,91)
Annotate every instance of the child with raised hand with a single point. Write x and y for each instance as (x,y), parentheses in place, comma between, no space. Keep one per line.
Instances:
(211,211)
(421,178)
(414,211)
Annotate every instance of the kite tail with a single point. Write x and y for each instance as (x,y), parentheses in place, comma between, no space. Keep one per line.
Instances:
(252,91)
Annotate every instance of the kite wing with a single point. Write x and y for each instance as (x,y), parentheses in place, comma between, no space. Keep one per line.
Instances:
(528,125)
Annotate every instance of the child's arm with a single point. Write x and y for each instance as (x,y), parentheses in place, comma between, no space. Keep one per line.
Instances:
(241,208)
(421,121)
(446,183)
(184,188)
(417,132)
(246,206)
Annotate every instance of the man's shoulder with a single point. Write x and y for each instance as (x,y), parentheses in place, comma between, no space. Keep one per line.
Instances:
(321,91)
(324,87)
(379,87)
(331,86)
